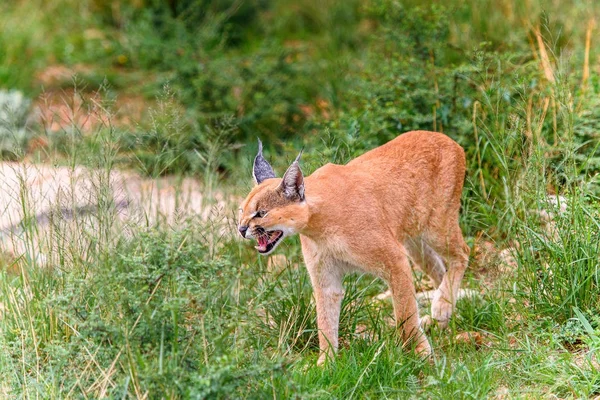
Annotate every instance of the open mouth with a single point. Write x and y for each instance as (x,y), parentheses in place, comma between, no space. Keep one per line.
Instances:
(268,240)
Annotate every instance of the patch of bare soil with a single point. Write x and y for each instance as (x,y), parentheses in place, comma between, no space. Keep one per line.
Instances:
(59,109)
(65,110)
(56,75)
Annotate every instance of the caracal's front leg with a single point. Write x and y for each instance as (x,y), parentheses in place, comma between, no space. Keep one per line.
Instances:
(329,294)
(400,280)
(326,278)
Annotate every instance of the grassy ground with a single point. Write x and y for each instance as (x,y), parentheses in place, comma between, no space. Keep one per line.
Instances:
(189,311)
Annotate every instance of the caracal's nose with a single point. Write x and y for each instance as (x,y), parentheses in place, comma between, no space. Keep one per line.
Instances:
(243,230)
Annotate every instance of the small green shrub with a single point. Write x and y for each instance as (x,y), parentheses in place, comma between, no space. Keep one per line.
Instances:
(14,134)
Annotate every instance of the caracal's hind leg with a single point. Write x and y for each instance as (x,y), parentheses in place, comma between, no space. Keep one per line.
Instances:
(400,280)
(455,252)
(430,262)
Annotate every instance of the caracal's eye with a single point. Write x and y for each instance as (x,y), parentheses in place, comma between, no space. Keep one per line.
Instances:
(260,214)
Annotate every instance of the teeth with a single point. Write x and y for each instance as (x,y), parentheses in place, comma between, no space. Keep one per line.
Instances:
(265,240)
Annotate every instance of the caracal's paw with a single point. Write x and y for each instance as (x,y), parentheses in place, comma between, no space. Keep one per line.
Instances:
(441,309)
(426,323)
(423,348)
(324,358)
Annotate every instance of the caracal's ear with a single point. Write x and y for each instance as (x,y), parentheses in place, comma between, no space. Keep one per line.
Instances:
(262,169)
(292,183)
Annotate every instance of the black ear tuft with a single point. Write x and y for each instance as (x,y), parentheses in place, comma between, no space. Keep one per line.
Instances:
(262,169)
(292,184)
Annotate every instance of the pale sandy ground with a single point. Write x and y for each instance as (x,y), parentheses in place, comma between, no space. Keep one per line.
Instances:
(45,209)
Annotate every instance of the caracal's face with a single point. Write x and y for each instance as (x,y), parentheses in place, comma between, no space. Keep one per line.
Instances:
(268,216)
(275,208)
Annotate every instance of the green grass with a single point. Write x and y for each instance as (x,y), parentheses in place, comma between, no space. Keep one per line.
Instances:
(190,311)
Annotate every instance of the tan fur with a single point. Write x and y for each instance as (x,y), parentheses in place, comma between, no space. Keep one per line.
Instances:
(398,201)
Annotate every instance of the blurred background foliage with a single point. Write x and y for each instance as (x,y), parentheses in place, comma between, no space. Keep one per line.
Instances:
(337,78)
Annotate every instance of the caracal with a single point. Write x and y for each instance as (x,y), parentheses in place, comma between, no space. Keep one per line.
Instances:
(395,203)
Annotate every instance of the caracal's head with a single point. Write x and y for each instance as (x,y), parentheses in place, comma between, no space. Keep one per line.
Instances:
(275,207)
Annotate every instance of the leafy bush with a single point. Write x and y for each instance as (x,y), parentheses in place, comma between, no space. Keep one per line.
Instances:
(14,135)
(160,312)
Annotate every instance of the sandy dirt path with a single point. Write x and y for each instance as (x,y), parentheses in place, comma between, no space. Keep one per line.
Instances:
(43,207)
